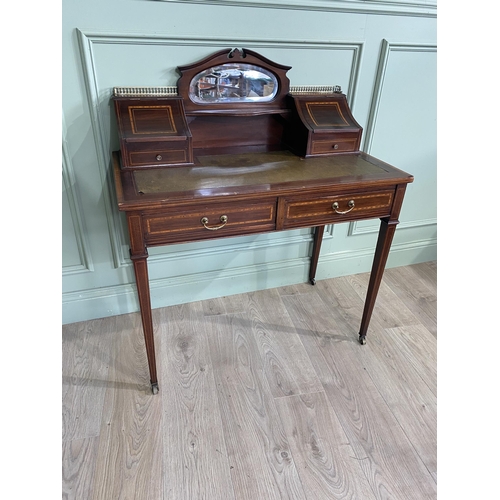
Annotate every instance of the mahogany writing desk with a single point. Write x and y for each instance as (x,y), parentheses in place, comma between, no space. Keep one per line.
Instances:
(208,191)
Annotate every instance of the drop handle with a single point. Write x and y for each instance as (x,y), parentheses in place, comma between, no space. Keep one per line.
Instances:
(350,204)
(223,219)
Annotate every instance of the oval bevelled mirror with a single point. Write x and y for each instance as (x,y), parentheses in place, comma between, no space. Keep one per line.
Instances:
(233,83)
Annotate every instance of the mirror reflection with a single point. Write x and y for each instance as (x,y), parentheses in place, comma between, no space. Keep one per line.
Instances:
(233,82)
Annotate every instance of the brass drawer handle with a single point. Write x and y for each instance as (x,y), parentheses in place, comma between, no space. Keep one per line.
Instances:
(159,157)
(223,219)
(335,146)
(335,206)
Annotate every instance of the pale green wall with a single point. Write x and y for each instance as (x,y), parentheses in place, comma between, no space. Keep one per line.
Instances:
(384,59)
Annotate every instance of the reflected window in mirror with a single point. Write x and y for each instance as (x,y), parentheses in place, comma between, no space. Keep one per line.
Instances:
(233,83)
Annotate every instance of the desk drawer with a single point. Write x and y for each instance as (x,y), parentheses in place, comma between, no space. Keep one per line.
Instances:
(328,144)
(157,153)
(205,221)
(300,212)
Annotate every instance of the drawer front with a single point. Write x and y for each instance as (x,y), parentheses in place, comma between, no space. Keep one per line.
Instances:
(300,212)
(157,153)
(207,221)
(334,145)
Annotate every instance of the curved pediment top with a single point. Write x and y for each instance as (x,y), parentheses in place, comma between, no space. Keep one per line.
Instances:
(232,55)
(234,80)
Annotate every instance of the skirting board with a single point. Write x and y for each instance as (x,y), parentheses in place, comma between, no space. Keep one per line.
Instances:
(122,299)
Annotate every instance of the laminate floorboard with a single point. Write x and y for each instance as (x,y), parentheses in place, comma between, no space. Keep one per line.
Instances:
(260,459)
(414,287)
(324,458)
(195,458)
(128,461)
(287,366)
(412,402)
(369,423)
(78,458)
(266,395)
(86,354)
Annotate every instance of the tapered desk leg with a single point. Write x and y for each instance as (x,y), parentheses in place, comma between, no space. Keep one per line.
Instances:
(318,238)
(385,236)
(139,256)
(142,280)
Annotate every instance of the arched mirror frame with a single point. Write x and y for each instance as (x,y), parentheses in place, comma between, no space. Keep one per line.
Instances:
(231,57)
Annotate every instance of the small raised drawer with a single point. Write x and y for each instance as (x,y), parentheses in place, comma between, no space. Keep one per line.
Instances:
(157,153)
(323,144)
(300,212)
(214,220)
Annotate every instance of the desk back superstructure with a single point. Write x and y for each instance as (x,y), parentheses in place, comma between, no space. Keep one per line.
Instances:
(191,170)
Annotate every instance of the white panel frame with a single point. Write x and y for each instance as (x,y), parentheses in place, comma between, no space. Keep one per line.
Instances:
(386,48)
(422,8)
(76,212)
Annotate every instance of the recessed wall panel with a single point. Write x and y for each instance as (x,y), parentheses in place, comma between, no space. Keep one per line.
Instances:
(403,122)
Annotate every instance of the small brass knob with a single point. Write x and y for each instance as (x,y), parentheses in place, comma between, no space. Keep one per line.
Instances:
(159,157)
(335,146)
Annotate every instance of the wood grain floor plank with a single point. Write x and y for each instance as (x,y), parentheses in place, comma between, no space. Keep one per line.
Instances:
(194,451)
(286,364)
(336,327)
(325,460)
(344,304)
(418,295)
(295,289)
(259,455)
(79,460)
(426,271)
(86,351)
(410,400)
(388,459)
(419,347)
(223,305)
(391,312)
(236,372)
(128,462)
(338,293)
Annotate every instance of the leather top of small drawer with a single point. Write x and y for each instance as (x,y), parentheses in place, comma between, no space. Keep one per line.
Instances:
(300,212)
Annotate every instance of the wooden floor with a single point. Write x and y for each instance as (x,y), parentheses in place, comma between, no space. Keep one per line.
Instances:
(263,396)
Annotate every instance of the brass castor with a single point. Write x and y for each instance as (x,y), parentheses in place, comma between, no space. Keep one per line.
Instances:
(312,281)
(154,388)
(362,339)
